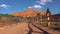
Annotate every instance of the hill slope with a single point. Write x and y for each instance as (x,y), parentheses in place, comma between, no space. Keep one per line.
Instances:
(28,13)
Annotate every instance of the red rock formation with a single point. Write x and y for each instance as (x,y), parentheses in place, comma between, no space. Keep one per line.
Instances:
(28,13)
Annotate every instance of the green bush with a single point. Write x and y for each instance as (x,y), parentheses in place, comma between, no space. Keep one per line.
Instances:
(55,26)
(45,24)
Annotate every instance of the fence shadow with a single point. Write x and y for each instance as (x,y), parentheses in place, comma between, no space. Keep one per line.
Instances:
(44,32)
(31,30)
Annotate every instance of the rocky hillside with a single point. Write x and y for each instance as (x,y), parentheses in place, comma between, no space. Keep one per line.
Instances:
(28,13)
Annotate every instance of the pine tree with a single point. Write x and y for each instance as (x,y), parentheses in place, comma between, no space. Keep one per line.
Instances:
(48,13)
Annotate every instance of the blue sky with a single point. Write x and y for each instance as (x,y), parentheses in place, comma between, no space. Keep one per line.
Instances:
(8,6)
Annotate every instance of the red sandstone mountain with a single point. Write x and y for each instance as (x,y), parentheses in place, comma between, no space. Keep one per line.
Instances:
(28,13)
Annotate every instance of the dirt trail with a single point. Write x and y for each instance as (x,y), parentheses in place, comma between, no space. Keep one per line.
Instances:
(22,28)
(33,30)
(46,30)
(36,30)
(18,29)
(25,28)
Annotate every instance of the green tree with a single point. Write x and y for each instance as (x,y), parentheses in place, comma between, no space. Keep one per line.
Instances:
(28,19)
(48,13)
(38,17)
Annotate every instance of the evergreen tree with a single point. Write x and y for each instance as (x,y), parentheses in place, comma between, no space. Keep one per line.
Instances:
(48,13)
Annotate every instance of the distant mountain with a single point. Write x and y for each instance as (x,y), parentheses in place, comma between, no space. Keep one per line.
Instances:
(28,13)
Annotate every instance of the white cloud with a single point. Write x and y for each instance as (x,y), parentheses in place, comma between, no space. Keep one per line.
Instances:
(29,7)
(37,6)
(4,6)
(43,2)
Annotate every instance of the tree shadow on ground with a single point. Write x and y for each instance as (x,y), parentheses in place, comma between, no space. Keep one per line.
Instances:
(31,30)
(44,32)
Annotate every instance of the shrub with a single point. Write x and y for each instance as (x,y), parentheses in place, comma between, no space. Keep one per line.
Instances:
(55,26)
